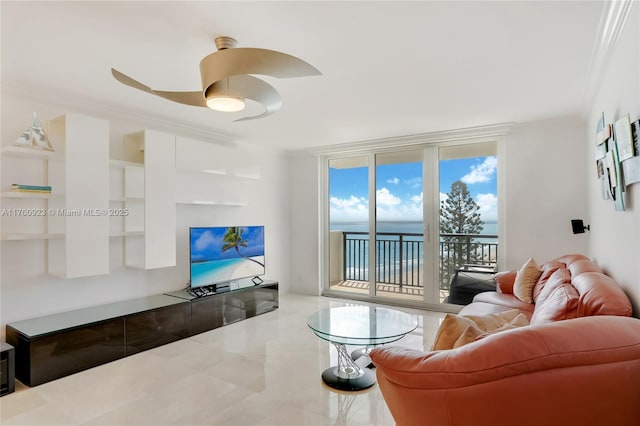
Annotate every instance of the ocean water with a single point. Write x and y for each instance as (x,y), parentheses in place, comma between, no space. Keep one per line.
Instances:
(357,258)
(489,228)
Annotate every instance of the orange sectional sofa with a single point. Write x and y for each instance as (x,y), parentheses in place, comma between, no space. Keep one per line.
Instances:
(576,363)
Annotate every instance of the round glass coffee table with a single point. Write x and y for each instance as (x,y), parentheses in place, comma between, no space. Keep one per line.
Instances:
(359,325)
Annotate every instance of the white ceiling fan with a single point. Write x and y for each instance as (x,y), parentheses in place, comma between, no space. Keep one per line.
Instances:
(227,80)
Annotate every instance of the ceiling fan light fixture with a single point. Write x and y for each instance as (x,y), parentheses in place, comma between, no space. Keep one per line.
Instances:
(225,103)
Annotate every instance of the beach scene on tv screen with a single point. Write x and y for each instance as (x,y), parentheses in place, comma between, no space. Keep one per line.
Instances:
(223,254)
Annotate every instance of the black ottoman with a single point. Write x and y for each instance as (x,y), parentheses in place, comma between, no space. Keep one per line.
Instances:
(465,284)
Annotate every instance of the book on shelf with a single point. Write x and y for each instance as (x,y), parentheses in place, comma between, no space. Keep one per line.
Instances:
(32,191)
(20,187)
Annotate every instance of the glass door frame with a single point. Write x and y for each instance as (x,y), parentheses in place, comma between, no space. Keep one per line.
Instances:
(431,207)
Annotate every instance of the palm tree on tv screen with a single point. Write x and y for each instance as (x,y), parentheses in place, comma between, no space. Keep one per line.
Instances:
(233,239)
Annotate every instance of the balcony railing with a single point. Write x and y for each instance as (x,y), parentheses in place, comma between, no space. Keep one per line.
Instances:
(399,256)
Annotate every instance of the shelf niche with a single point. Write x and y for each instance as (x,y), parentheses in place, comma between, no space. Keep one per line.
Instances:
(24,166)
(214,175)
(148,195)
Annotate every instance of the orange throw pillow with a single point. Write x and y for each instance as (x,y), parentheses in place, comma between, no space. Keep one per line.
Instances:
(456,330)
(526,279)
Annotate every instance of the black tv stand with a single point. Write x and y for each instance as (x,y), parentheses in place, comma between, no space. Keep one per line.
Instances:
(57,345)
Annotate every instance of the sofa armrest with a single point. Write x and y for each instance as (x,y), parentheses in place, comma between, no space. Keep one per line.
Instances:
(563,367)
(568,343)
(505,281)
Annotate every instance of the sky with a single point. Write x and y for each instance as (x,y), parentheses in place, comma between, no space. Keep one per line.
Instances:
(399,189)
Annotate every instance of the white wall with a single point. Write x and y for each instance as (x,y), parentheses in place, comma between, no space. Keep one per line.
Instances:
(304,224)
(615,236)
(26,291)
(545,189)
(550,179)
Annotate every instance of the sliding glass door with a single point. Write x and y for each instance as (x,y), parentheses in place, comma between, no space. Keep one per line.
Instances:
(399,242)
(434,214)
(468,220)
(349,225)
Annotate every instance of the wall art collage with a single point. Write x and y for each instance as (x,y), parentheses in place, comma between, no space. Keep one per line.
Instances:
(617,155)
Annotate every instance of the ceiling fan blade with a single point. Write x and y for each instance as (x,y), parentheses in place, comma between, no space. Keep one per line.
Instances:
(249,60)
(188,98)
(257,90)
(126,80)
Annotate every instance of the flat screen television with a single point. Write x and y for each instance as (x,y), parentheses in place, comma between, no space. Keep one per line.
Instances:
(226,253)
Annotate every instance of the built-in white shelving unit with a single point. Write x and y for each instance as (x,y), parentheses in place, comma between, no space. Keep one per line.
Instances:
(126,234)
(80,212)
(22,237)
(26,195)
(18,151)
(118,203)
(24,215)
(214,175)
(121,164)
(212,203)
(146,191)
(95,200)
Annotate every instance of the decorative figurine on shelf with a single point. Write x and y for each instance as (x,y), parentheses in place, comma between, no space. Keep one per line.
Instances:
(35,137)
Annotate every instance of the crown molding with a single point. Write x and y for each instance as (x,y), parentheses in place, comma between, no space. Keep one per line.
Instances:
(69,101)
(612,21)
(488,131)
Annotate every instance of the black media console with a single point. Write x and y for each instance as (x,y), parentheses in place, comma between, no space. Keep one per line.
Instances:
(55,346)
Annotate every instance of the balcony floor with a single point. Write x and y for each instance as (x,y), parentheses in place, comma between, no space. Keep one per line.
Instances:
(385,290)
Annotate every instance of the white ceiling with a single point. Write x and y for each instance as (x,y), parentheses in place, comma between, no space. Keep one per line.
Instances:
(389,68)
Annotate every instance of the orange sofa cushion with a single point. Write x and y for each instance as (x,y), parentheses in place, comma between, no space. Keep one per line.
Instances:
(558,300)
(600,295)
(547,270)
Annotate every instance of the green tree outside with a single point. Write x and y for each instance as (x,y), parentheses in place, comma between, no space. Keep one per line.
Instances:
(459,214)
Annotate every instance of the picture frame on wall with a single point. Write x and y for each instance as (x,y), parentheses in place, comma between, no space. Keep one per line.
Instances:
(631,166)
(635,135)
(603,131)
(618,190)
(624,139)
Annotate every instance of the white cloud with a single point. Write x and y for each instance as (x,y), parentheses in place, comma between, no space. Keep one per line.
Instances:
(348,202)
(393,181)
(392,208)
(415,182)
(386,198)
(404,212)
(349,209)
(488,206)
(204,240)
(481,172)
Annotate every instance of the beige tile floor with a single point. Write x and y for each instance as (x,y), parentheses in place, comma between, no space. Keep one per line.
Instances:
(261,371)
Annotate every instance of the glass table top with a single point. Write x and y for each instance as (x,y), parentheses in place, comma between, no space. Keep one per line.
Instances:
(361,325)
(36,327)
